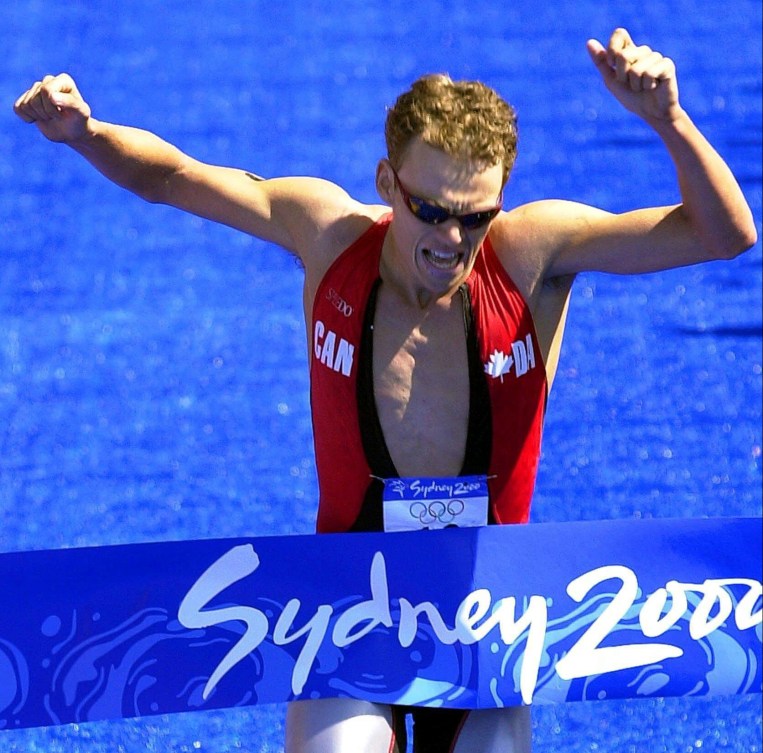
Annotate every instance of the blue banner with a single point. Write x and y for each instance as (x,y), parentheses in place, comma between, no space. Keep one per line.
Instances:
(461,617)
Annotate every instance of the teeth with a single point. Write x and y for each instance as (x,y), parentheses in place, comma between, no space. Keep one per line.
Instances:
(444,259)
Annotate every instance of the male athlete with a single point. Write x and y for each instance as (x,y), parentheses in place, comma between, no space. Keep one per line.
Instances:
(435,320)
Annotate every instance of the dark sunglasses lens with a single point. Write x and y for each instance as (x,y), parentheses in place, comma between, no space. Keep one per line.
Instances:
(429,213)
(477,219)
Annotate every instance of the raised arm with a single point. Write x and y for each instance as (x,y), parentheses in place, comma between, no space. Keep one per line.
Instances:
(291,212)
(713,220)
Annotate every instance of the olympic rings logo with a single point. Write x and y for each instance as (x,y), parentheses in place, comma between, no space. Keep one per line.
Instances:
(439,511)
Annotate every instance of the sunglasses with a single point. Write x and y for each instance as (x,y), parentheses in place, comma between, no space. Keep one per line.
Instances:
(433,214)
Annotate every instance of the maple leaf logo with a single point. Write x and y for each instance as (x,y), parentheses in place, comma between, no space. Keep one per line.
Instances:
(499,364)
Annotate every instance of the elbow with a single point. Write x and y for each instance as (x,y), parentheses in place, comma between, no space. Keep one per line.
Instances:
(750,239)
(733,243)
(739,242)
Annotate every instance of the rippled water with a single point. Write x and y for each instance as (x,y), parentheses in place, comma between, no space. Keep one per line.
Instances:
(152,366)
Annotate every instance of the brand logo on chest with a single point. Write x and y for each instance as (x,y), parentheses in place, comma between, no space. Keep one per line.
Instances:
(344,308)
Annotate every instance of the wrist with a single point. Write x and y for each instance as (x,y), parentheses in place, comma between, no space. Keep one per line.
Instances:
(674,122)
(86,136)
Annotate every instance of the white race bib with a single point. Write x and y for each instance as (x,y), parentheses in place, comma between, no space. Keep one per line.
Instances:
(412,504)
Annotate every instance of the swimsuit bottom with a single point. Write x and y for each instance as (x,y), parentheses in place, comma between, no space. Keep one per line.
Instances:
(434,730)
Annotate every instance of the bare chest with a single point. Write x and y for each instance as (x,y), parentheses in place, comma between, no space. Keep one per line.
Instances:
(421,385)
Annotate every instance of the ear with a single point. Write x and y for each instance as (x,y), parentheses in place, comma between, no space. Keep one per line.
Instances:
(385,181)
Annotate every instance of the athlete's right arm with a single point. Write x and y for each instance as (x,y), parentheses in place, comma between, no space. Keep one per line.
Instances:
(291,212)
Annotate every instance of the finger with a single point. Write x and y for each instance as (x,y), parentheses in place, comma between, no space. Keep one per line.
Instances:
(64,94)
(20,109)
(40,105)
(634,61)
(644,71)
(662,73)
(63,101)
(60,91)
(623,60)
(647,74)
(618,41)
(598,55)
(597,52)
(24,104)
(30,93)
(29,104)
(46,103)
(42,96)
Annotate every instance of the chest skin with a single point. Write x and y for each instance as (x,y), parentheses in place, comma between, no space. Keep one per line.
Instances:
(421,382)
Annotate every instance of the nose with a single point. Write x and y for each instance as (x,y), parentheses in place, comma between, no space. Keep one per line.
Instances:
(452,231)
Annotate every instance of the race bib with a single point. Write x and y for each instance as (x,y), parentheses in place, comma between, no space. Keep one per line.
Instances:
(413,504)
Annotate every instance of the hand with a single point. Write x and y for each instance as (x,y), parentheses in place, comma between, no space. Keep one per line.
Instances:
(56,107)
(643,81)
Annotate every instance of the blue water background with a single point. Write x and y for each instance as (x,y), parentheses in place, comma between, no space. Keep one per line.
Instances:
(152,365)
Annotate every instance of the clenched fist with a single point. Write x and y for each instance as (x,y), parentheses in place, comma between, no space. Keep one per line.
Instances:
(56,107)
(642,79)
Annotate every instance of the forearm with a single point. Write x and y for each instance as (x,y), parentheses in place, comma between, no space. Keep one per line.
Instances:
(133,158)
(713,204)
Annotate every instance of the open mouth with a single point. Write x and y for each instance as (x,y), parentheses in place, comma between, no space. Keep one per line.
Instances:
(445,260)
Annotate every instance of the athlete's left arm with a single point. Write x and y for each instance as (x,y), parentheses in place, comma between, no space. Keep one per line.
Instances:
(713,220)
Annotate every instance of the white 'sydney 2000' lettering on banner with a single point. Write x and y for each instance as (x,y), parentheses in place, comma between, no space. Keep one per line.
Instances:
(475,617)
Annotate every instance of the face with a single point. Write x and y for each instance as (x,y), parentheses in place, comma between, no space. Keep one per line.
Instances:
(432,260)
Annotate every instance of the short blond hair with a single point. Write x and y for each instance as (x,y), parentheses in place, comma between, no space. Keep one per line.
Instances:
(463,118)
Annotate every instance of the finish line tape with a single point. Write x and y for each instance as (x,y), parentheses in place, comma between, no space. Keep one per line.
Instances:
(461,617)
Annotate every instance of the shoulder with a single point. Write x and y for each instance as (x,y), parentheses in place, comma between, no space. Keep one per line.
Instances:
(339,230)
(529,238)
(333,229)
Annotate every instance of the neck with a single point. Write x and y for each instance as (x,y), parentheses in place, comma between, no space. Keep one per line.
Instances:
(417,297)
